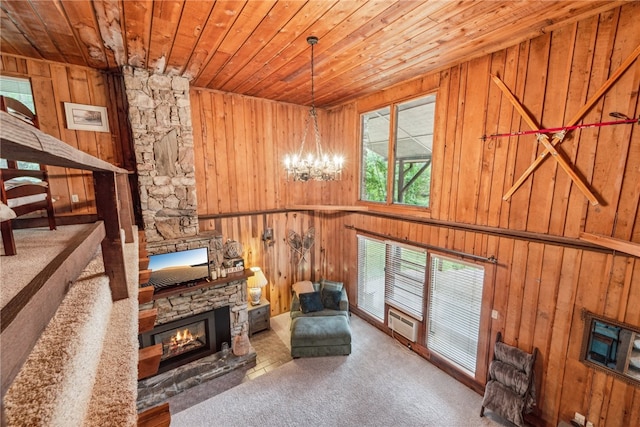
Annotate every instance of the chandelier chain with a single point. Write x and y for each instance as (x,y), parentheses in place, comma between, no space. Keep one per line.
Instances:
(313,113)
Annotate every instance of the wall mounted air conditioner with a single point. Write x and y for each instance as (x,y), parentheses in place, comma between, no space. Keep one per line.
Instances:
(403,324)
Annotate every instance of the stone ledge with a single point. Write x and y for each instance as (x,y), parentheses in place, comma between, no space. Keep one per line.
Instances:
(158,389)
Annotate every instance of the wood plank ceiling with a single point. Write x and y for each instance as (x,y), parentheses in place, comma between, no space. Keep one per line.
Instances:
(259,48)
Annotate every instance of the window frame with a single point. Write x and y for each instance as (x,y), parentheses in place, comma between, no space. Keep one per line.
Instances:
(392,105)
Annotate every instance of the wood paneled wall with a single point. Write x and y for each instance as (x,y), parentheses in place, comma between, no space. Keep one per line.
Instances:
(241,143)
(53,84)
(539,289)
(282,265)
(553,75)
(539,292)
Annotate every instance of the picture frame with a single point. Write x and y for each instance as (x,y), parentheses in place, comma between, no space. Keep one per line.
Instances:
(86,117)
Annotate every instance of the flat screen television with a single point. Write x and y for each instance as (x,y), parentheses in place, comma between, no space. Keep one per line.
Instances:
(178,268)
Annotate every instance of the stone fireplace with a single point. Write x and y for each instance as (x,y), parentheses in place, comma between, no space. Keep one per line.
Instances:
(160,117)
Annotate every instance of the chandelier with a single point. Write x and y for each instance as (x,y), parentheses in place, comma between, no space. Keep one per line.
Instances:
(318,165)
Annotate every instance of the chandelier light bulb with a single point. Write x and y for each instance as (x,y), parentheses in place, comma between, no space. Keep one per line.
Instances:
(318,167)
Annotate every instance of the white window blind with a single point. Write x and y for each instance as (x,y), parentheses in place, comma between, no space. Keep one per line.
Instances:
(406,270)
(371,261)
(454,310)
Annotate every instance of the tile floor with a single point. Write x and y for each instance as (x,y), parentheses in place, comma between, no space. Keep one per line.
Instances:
(271,353)
(272,350)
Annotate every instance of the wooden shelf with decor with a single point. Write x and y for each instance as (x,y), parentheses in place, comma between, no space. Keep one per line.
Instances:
(221,281)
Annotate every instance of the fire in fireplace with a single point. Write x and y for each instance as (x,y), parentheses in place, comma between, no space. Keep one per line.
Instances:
(185,340)
(177,341)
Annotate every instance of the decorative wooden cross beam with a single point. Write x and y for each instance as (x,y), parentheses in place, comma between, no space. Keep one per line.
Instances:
(558,137)
(544,140)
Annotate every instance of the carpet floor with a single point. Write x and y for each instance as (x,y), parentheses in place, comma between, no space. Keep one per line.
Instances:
(380,384)
(35,246)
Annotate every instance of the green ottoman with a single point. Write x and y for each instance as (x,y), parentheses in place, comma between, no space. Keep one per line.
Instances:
(320,336)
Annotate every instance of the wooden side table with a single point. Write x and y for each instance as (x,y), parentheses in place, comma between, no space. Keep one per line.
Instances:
(259,317)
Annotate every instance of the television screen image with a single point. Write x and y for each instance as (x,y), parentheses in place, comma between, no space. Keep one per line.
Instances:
(177,268)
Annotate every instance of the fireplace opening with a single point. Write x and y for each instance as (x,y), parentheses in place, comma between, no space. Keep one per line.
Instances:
(182,340)
(188,339)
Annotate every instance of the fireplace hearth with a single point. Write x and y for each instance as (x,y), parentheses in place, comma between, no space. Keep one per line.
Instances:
(190,338)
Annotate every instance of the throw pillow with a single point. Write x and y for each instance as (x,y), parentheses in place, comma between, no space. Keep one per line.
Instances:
(331,299)
(331,285)
(310,302)
(302,287)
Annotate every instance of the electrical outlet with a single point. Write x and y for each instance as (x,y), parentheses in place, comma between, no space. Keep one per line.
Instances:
(74,198)
(579,418)
(589,424)
(494,314)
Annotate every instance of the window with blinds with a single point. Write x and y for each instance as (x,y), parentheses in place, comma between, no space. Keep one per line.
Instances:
(390,273)
(371,262)
(406,270)
(455,301)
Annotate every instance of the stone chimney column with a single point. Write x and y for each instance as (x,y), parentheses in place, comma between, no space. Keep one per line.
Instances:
(160,117)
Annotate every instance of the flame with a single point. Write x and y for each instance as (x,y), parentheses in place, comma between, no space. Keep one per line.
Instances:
(182,338)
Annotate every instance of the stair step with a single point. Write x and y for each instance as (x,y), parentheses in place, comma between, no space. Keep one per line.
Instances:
(144,276)
(158,416)
(147,319)
(145,294)
(143,263)
(149,361)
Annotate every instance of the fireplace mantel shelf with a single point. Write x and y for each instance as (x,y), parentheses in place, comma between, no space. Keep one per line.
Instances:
(231,277)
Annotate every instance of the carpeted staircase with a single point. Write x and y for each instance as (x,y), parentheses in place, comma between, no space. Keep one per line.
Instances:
(83,369)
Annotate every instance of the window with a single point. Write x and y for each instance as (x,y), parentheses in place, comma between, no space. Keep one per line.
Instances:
(390,273)
(19,89)
(394,274)
(403,140)
(455,301)
(405,285)
(371,255)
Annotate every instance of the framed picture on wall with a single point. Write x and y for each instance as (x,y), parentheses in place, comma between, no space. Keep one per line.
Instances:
(86,117)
